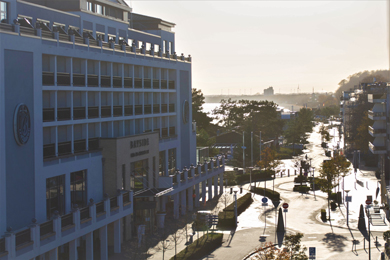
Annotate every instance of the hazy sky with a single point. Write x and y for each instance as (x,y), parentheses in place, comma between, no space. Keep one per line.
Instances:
(244,47)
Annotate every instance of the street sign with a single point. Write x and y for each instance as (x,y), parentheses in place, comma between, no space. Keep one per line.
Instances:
(285,210)
(368,202)
(348,198)
(285,205)
(312,253)
(264,204)
(264,200)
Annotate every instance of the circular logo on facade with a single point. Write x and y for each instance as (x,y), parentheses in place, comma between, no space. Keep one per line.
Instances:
(22,124)
(186,111)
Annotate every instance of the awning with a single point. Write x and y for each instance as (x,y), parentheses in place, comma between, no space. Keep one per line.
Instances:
(154,192)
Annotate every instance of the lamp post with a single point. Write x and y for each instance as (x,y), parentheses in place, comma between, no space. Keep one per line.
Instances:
(314,187)
(250,178)
(235,206)
(369,228)
(347,199)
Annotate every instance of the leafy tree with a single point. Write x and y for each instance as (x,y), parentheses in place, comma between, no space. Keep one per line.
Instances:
(269,160)
(201,118)
(294,247)
(362,135)
(270,252)
(324,133)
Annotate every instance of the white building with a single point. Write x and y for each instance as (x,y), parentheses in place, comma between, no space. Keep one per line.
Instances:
(97,132)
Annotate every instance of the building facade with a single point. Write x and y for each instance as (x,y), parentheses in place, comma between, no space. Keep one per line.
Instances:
(97,130)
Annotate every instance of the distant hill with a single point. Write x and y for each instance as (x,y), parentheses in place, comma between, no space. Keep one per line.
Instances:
(362,77)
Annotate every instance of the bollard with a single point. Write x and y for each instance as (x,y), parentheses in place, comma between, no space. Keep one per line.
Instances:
(231,190)
(288,172)
(241,190)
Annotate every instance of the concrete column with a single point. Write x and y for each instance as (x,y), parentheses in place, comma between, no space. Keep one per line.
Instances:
(215,186)
(221,183)
(103,243)
(89,245)
(53,254)
(163,200)
(210,189)
(10,244)
(73,249)
(117,236)
(204,192)
(197,195)
(183,202)
(176,206)
(190,198)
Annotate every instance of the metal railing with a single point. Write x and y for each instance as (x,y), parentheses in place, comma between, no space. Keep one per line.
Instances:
(117,110)
(67,220)
(47,78)
(138,109)
(171,108)
(48,114)
(105,111)
(137,82)
(128,110)
(100,207)
(93,144)
(147,109)
(147,83)
(105,81)
(126,197)
(84,213)
(23,237)
(78,79)
(117,81)
(78,113)
(64,148)
(80,145)
(93,112)
(49,151)
(63,79)
(128,82)
(93,80)
(46,228)
(63,113)
(114,202)
(156,108)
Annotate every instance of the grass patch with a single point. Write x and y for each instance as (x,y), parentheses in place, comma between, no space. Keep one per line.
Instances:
(201,247)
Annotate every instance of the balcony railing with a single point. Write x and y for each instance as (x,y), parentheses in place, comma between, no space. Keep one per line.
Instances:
(63,79)
(376,114)
(147,109)
(22,237)
(2,245)
(156,84)
(147,83)
(80,145)
(138,109)
(46,228)
(100,207)
(47,78)
(93,80)
(49,151)
(78,113)
(105,81)
(118,111)
(78,79)
(171,108)
(376,147)
(156,108)
(126,197)
(171,84)
(84,213)
(164,84)
(64,148)
(376,131)
(164,132)
(128,82)
(63,113)
(128,110)
(113,202)
(106,111)
(137,83)
(172,130)
(67,220)
(48,114)
(164,108)
(117,81)
(93,112)
(93,144)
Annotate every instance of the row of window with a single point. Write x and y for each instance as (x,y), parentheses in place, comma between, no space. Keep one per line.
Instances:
(105,10)
(55,192)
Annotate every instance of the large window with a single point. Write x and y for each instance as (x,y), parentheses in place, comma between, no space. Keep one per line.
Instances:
(161,165)
(139,175)
(78,189)
(172,160)
(3,12)
(55,198)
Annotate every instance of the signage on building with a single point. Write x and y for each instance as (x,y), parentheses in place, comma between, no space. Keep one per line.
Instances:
(22,124)
(139,153)
(139,143)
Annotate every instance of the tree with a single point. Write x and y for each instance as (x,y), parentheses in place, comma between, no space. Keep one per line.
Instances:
(270,252)
(165,244)
(201,118)
(362,136)
(324,133)
(269,161)
(294,247)
(294,134)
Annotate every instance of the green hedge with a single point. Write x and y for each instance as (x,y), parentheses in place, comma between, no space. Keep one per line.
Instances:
(301,188)
(226,217)
(300,178)
(272,195)
(201,247)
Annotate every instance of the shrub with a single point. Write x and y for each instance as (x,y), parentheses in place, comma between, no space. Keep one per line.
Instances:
(226,218)
(272,195)
(301,188)
(201,247)
(300,178)
(333,205)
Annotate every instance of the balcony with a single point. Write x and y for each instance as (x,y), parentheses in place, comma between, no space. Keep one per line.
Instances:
(376,98)
(171,84)
(63,113)
(137,82)
(128,110)
(118,111)
(376,115)
(147,109)
(64,148)
(172,131)
(78,80)
(105,111)
(93,80)
(156,84)
(156,108)
(171,108)
(164,108)
(47,78)
(376,149)
(117,81)
(105,81)
(49,151)
(138,109)
(164,132)
(48,114)
(128,82)
(93,112)
(80,146)
(93,144)
(164,84)
(63,79)
(376,132)
(147,83)
(78,113)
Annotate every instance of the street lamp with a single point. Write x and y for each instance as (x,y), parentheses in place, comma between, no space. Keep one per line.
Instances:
(235,206)
(250,178)
(348,199)
(368,202)
(314,188)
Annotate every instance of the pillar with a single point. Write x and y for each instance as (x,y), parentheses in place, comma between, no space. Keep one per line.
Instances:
(197,195)
(117,236)
(221,183)
(73,249)
(53,254)
(183,202)
(215,186)
(190,198)
(204,192)
(89,245)
(163,202)
(210,188)
(103,243)
(176,206)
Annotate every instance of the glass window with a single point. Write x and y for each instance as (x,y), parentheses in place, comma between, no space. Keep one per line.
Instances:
(99,9)
(161,166)
(123,176)
(3,12)
(55,198)
(139,177)
(172,160)
(90,6)
(78,189)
